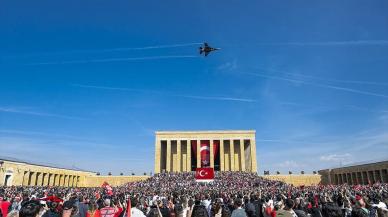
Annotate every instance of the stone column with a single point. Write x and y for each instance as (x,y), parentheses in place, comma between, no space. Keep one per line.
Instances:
(68,181)
(50,179)
(231,151)
(56,180)
(222,168)
(188,150)
(25,178)
(62,180)
(39,179)
(54,177)
(354,178)
(157,155)
(242,155)
(253,155)
(31,178)
(45,179)
(71,182)
(377,178)
(362,178)
(168,160)
(211,146)
(198,153)
(351,178)
(179,155)
(382,176)
(368,177)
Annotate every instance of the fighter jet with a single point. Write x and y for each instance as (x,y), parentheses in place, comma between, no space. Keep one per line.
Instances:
(206,49)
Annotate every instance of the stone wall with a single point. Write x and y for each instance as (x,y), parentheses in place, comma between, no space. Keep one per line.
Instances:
(24,174)
(296,180)
(363,173)
(21,173)
(96,181)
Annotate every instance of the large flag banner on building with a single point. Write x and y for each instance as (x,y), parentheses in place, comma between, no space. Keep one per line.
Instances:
(204,151)
(204,174)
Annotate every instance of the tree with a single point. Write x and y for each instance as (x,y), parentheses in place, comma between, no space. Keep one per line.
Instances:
(98,173)
(133,174)
(289,172)
(121,174)
(109,174)
(277,172)
(145,173)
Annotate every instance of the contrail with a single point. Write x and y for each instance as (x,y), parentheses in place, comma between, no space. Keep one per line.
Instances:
(331,43)
(320,85)
(110,49)
(112,60)
(341,81)
(327,79)
(14,110)
(169,94)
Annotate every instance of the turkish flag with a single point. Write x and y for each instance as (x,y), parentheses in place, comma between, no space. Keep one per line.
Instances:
(204,173)
(108,188)
(129,207)
(205,153)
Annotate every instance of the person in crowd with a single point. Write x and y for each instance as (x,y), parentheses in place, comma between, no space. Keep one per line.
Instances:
(173,195)
(135,209)
(4,205)
(31,209)
(287,211)
(249,207)
(199,210)
(53,209)
(107,210)
(239,211)
(70,208)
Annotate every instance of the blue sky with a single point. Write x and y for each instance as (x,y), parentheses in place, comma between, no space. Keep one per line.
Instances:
(86,83)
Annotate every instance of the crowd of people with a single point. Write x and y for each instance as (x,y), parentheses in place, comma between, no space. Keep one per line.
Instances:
(231,194)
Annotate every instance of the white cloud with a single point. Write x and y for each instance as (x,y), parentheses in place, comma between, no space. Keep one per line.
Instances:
(289,164)
(336,157)
(228,66)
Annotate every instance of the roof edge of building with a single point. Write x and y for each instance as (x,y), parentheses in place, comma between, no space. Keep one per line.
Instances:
(203,131)
(43,164)
(356,164)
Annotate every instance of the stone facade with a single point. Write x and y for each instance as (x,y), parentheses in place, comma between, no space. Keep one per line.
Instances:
(296,180)
(96,181)
(367,173)
(178,151)
(18,173)
(22,173)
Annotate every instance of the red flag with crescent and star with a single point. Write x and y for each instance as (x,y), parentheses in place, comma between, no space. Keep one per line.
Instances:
(204,174)
(107,188)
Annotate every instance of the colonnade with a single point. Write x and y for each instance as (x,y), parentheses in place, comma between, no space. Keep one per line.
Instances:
(180,151)
(37,178)
(360,177)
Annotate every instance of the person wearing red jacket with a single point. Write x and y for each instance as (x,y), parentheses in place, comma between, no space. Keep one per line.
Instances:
(4,206)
